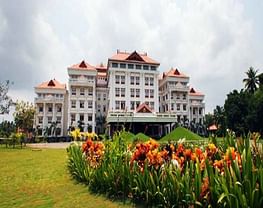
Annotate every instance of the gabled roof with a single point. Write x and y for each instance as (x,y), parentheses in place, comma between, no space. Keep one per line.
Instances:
(174,73)
(212,127)
(83,66)
(193,92)
(51,84)
(133,57)
(101,68)
(143,108)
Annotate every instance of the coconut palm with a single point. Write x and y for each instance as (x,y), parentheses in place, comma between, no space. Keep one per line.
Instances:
(252,80)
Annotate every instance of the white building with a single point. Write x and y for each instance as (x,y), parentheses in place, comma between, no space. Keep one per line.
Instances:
(82,96)
(128,92)
(51,107)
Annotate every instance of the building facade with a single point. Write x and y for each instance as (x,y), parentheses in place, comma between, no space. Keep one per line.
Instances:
(129,92)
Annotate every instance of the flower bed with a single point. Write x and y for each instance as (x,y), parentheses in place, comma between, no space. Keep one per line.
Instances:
(173,174)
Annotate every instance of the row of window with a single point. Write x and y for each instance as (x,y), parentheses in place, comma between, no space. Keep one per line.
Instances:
(120,92)
(171,83)
(133,66)
(121,105)
(177,96)
(81,104)
(81,76)
(101,96)
(82,91)
(81,117)
(134,80)
(50,109)
(49,119)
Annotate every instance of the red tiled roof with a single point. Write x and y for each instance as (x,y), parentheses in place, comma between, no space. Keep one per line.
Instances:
(143,108)
(212,127)
(83,66)
(194,92)
(174,73)
(51,84)
(135,57)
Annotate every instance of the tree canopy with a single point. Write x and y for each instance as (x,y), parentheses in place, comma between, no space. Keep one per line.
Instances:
(5,100)
(252,80)
(24,116)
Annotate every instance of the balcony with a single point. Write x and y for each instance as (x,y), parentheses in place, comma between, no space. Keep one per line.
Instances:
(49,98)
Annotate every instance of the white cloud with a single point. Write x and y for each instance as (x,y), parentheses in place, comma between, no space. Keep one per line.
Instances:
(214,42)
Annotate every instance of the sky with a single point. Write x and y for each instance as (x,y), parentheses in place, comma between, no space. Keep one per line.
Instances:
(212,41)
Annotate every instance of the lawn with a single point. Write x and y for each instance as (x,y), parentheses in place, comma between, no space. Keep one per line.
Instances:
(40,179)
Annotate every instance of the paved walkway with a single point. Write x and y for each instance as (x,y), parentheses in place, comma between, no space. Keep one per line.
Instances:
(61,145)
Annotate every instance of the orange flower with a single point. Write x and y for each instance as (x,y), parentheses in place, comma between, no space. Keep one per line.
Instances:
(187,153)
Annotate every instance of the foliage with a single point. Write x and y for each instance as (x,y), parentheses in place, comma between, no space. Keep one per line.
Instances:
(252,80)
(179,175)
(24,116)
(141,137)
(179,133)
(6,128)
(5,100)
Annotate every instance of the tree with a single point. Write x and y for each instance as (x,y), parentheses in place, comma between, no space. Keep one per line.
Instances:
(7,128)
(252,80)
(5,100)
(220,120)
(24,116)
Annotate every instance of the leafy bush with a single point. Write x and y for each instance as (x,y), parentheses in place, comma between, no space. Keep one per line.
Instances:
(228,174)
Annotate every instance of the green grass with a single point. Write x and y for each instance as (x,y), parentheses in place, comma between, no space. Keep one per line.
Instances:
(40,179)
(180,133)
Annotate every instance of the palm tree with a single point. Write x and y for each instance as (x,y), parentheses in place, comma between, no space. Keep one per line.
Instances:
(252,80)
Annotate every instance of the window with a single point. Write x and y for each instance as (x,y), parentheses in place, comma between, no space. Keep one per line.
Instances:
(146,93)
(117,92)
(58,119)
(81,104)
(89,117)
(145,67)
(137,104)
(137,80)
(117,104)
(194,111)
(146,81)
(151,81)
(73,117)
(114,65)
(40,120)
(200,111)
(40,109)
(132,80)
(82,91)
(132,105)
(122,79)
(73,91)
(151,93)
(73,104)
(123,66)
(177,96)
(59,109)
(98,108)
(98,96)
(117,79)
(184,107)
(172,106)
(49,108)
(122,92)
(104,108)
(152,105)
(90,91)
(81,117)
(138,66)
(153,68)
(89,104)
(49,120)
(137,93)
(130,66)
(184,96)
(122,105)
(104,96)
(132,92)
(178,107)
